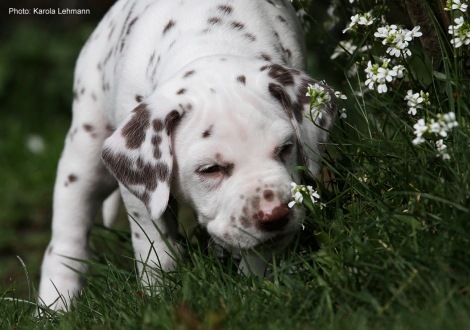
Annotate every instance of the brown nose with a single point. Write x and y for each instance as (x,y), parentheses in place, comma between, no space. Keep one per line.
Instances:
(275,220)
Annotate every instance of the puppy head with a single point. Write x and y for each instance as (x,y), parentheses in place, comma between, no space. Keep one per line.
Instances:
(225,134)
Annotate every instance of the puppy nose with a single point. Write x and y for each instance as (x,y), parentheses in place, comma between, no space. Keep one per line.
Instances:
(275,220)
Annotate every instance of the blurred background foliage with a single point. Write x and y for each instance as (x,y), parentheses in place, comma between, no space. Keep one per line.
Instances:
(37,59)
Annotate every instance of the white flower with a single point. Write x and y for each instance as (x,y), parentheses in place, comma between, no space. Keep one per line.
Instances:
(444,124)
(379,75)
(416,100)
(456,5)
(35,143)
(420,128)
(340,95)
(319,98)
(343,114)
(360,19)
(460,32)
(400,69)
(298,197)
(386,73)
(397,39)
(441,149)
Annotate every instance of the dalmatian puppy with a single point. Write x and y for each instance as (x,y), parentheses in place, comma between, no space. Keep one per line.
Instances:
(201,99)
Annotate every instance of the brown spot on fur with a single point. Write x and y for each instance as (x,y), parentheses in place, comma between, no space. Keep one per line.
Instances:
(157,125)
(188,73)
(131,23)
(137,235)
(135,214)
(134,131)
(181,91)
(171,119)
(237,25)
(244,221)
(148,175)
(207,132)
(72,178)
(241,79)
(88,127)
(249,36)
(213,20)
(268,195)
(138,98)
(255,202)
(226,9)
(278,92)
(266,57)
(168,26)
(156,140)
(281,74)
(281,19)
(49,250)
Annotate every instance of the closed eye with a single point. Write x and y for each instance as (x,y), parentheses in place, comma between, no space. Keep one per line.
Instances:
(210,169)
(215,170)
(283,151)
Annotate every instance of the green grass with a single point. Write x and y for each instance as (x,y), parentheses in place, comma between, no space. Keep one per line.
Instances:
(391,249)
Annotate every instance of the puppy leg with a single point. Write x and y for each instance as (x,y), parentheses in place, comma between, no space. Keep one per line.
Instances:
(150,249)
(82,184)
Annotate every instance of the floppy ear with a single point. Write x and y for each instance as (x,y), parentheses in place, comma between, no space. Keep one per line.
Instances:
(289,87)
(139,155)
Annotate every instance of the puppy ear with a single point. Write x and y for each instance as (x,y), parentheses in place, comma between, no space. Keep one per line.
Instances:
(289,87)
(139,155)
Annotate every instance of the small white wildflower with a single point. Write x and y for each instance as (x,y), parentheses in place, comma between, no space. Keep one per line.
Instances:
(456,5)
(360,19)
(387,74)
(379,75)
(442,126)
(416,101)
(441,149)
(460,32)
(340,95)
(298,197)
(319,98)
(343,114)
(363,179)
(400,69)
(35,143)
(420,129)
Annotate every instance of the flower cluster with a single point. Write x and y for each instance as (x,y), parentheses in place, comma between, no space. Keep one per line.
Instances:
(379,75)
(298,197)
(319,97)
(441,149)
(460,32)
(416,101)
(441,126)
(456,5)
(397,39)
(360,19)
